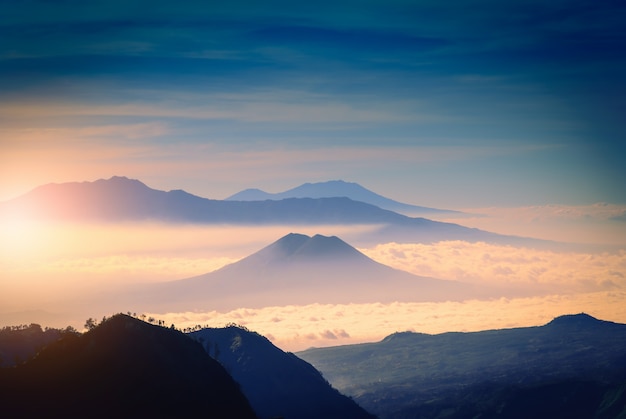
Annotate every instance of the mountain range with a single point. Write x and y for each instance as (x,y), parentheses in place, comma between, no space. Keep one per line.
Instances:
(125,367)
(338,188)
(299,269)
(120,199)
(574,366)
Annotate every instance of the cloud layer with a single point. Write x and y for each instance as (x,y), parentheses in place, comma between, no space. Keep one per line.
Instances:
(58,270)
(294,328)
(487,264)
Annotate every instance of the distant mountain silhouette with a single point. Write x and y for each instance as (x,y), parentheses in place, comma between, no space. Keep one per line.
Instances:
(574,366)
(337,188)
(276,383)
(123,368)
(121,199)
(298,269)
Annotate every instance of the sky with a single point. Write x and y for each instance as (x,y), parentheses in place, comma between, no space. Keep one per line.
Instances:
(511,111)
(449,105)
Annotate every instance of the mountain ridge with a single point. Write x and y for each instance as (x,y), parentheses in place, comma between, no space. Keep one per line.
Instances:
(412,374)
(120,199)
(337,188)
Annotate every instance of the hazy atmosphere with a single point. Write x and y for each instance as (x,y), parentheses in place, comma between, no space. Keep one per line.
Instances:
(507,114)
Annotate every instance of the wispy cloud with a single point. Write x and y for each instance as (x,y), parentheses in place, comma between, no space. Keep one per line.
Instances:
(295,107)
(16,138)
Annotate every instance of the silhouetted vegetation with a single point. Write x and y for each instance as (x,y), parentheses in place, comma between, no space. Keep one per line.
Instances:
(122,367)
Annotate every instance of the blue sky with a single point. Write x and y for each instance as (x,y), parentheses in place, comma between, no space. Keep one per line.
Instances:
(454,105)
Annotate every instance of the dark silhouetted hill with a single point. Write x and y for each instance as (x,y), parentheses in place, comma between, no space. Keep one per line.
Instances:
(298,269)
(574,366)
(276,383)
(124,368)
(337,188)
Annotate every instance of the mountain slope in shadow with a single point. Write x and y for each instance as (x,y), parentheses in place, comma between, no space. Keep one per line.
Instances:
(123,368)
(576,363)
(298,269)
(276,383)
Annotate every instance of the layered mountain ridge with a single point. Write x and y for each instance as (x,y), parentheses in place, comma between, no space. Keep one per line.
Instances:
(120,199)
(572,366)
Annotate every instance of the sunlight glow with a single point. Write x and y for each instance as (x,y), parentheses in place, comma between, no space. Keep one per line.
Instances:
(22,237)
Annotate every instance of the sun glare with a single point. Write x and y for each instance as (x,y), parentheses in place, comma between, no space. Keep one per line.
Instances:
(21,236)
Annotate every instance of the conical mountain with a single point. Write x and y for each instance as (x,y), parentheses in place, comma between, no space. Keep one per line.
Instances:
(300,248)
(123,368)
(277,384)
(298,269)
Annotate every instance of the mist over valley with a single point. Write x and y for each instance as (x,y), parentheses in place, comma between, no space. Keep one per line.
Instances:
(292,274)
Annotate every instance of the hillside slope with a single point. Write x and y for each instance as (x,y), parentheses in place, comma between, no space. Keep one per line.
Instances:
(276,383)
(123,368)
(418,375)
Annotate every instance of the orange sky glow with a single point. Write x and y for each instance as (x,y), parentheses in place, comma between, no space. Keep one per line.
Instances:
(48,266)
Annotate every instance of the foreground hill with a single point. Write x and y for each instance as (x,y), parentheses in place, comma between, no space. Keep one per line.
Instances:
(123,368)
(574,366)
(298,269)
(276,383)
(120,199)
(337,188)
